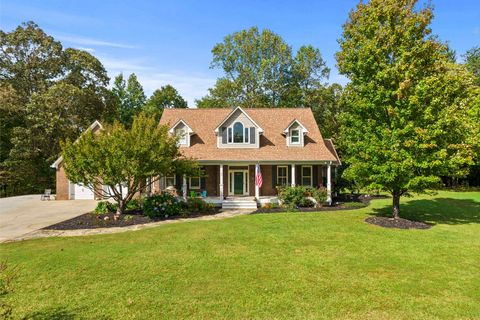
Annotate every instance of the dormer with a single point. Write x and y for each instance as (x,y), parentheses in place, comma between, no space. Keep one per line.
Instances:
(182,130)
(238,130)
(295,134)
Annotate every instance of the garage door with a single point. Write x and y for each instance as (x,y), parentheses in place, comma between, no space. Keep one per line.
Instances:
(81,192)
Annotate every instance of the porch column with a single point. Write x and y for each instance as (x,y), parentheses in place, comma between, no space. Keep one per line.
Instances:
(293,175)
(221,181)
(257,188)
(329,184)
(184,187)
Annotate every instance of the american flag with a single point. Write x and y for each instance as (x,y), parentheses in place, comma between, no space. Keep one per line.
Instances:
(258,177)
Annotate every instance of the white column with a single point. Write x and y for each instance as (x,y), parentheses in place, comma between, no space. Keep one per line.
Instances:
(257,188)
(329,184)
(184,187)
(221,182)
(293,176)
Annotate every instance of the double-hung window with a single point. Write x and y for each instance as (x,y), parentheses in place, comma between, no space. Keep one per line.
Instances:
(170,181)
(295,136)
(307,176)
(282,175)
(182,136)
(195,182)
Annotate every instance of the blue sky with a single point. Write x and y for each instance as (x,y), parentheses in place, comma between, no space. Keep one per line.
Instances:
(170,42)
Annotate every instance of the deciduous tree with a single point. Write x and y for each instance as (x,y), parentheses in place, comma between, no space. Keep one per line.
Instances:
(406,121)
(117,155)
(165,97)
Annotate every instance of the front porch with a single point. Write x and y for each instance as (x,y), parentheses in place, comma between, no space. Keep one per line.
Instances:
(235,182)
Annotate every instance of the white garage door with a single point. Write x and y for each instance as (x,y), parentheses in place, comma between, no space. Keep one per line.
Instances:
(81,192)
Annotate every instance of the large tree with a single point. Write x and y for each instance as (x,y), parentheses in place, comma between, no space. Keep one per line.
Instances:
(129,97)
(261,71)
(46,94)
(165,97)
(137,156)
(405,123)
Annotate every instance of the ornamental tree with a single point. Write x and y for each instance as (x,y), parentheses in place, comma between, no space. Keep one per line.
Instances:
(116,156)
(405,122)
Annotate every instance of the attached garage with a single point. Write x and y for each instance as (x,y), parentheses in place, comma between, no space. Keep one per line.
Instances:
(80,192)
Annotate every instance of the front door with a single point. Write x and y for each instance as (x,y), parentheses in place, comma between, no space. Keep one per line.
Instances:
(238,182)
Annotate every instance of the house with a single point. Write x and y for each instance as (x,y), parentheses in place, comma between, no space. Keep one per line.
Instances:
(284,144)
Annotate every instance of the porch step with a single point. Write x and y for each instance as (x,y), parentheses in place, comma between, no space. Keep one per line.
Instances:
(247,203)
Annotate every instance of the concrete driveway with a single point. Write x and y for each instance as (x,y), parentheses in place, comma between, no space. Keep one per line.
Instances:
(24,214)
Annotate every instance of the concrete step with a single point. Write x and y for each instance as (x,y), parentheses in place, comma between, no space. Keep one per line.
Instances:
(239,204)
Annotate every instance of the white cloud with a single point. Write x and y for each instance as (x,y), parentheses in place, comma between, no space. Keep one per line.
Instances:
(92,42)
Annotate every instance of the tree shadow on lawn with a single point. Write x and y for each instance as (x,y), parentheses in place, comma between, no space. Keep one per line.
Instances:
(436,211)
(57,313)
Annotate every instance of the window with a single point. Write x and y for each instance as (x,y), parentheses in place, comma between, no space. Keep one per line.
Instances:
(182,134)
(282,175)
(295,136)
(194,182)
(307,176)
(170,181)
(238,133)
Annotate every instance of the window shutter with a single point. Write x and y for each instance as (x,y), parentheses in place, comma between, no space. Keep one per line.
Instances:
(315,181)
(252,135)
(202,183)
(274,176)
(178,182)
(224,135)
(289,175)
(298,175)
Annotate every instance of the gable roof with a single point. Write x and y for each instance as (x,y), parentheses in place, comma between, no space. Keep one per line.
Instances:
(272,142)
(260,130)
(94,126)
(305,130)
(189,129)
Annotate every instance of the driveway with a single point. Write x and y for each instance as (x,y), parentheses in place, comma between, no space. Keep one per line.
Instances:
(24,214)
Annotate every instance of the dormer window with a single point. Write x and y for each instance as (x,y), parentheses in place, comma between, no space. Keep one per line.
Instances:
(238,130)
(183,132)
(182,136)
(238,133)
(295,136)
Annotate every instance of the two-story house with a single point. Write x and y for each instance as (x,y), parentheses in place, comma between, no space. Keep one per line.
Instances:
(232,145)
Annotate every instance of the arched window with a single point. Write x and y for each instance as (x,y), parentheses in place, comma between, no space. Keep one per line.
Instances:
(238,132)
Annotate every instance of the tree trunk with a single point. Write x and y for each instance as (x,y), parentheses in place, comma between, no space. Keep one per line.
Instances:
(121,206)
(396,206)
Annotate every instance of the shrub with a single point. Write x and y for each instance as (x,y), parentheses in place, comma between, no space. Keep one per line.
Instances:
(161,205)
(297,196)
(319,194)
(104,207)
(199,205)
(134,205)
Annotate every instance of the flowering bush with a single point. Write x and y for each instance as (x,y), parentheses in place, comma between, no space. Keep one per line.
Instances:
(161,205)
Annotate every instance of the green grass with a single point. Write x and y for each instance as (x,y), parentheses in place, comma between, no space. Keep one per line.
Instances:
(271,266)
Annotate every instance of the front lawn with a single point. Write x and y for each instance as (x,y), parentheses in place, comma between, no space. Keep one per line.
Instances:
(282,265)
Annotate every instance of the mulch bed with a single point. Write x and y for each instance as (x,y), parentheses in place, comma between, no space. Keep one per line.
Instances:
(307,209)
(397,223)
(93,221)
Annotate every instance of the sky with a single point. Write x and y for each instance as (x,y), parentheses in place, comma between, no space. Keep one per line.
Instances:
(170,42)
